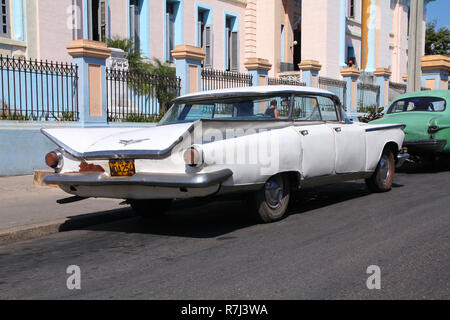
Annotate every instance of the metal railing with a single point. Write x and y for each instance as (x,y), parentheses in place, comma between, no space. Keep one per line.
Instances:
(368,96)
(290,75)
(217,79)
(134,97)
(38,90)
(284,81)
(338,87)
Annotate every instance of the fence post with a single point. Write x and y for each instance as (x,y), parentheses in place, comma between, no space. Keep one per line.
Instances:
(383,76)
(435,72)
(189,67)
(310,72)
(351,76)
(90,57)
(259,70)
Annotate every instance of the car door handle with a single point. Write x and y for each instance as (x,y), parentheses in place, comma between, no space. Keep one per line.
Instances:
(338,130)
(304,132)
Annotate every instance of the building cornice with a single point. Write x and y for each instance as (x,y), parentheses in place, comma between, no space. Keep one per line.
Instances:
(436,62)
(258,64)
(310,65)
(382,72)
(89,48)
(350,72)
(189,53)
(242,2)
(13,43)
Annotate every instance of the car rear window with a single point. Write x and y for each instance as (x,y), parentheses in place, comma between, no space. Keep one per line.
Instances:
(424,104)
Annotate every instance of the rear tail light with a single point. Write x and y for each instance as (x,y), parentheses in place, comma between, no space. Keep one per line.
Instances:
(54,159)
(193,157)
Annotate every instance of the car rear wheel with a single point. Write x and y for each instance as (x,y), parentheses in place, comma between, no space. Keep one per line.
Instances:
(271,202)
(381,180)
(150,208)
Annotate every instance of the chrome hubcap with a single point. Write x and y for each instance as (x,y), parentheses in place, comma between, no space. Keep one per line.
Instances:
(274,192)
(385,171)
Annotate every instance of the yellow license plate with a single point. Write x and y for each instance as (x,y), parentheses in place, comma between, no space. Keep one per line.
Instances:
(122,168)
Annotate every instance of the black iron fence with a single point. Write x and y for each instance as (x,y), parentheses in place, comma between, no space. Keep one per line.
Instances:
(368,96)
(338,87)
(134,97)
(284,81)
(217,79)
(38,90)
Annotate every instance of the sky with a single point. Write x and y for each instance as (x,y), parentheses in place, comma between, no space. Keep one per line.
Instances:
(439,10)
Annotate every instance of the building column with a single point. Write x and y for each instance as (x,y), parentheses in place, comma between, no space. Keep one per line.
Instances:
(435,72)
(368,35)
(310,72)
(259,70)
(90,57)
(351,76)
(188,61)
(383,76)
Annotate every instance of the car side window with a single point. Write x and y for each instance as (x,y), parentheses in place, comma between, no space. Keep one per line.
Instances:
(424,104)
(438,105)
(306,109)
(327,109)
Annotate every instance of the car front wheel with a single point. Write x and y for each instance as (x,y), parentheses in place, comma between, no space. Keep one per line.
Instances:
(150,208)
(271,202)
(381,180)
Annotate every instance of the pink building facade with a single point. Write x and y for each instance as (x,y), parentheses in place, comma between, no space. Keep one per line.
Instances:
(369,33)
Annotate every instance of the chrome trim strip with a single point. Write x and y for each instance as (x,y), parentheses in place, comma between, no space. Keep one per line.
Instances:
(395,126)
(118,154)
(335,178)
(202,180)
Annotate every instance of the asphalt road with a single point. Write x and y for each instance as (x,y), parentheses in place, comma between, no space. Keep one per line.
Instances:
(321,251)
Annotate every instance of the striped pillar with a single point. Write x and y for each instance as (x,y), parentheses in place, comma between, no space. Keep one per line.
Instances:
(310,72)
(189,67)
(383,76)
(90,57)
(259,70)
(351,76)
(435,72)
(369,35)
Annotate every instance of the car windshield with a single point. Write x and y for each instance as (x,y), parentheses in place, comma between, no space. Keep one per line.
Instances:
(427,104)
(242,108)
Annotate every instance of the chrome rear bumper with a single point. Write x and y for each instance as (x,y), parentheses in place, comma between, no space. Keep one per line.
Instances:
(202,180)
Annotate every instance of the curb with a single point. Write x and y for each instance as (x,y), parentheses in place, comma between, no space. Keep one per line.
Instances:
(30,232)
(39,176)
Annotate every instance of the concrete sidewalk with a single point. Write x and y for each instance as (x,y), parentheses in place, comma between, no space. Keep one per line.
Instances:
(28,211)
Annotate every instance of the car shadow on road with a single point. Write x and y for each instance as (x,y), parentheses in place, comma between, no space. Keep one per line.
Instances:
(217,218)
(425,167)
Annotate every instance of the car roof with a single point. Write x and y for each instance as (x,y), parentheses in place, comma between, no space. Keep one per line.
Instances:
(426,93)
(256,90)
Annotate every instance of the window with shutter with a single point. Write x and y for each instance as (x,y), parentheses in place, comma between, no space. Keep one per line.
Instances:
(234,51)
(351,8)
(102,19)
(5,28)
(170,36)
(98,20)
(208,46)
(227,48)
(231,43)
(135,24)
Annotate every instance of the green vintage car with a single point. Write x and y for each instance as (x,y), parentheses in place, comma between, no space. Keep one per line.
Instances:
(426,115)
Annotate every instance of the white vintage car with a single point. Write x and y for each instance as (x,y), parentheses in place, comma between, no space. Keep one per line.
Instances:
(261,142)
